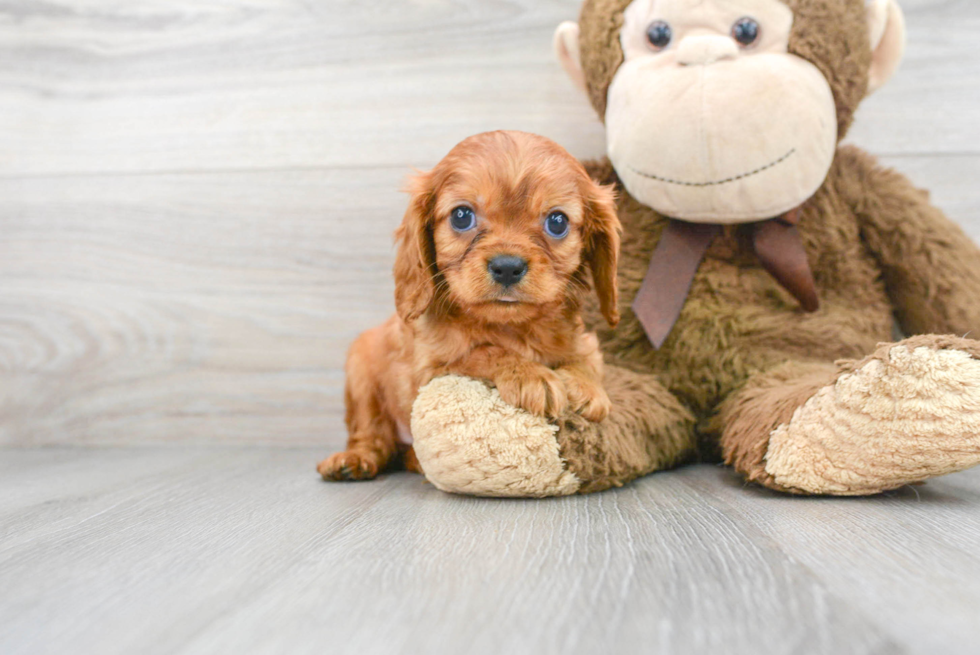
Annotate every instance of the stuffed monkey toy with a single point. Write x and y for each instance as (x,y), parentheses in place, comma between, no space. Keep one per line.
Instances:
(763,268)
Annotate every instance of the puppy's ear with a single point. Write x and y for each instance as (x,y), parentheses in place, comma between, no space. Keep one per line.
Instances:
(415,262)
(602,251)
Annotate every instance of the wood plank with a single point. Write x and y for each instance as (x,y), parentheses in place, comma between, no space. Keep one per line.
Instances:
(908,559)
(246,550)
(217,85)
(181,308)
(115,86)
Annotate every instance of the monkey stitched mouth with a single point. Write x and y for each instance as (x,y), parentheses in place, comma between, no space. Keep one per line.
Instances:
(717,182)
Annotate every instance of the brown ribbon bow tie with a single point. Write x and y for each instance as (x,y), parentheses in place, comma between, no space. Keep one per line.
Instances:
(682,246)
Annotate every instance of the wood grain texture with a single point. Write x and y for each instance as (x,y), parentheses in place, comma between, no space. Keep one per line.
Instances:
(119,86)
(188,307)
(206,550)
(918,548)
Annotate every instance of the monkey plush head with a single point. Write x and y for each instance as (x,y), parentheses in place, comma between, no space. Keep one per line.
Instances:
(728,111)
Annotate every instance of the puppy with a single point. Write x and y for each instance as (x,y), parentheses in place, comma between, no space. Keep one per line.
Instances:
(490,272)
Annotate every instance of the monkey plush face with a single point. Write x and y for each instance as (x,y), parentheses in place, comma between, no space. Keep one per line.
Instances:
(728,111)
(710,118)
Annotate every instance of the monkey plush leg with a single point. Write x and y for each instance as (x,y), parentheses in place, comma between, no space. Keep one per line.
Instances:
(469,441)
(906,413)
(768,401)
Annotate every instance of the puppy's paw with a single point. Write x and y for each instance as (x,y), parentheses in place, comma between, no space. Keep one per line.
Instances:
(586,396)
(349,465)
(537,390)
(596,406)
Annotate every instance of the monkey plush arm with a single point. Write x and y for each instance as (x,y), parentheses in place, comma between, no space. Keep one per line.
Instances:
(930,267)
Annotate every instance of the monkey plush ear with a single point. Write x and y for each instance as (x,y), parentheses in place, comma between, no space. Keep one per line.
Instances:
(415,261)
(567,50)
(603,234)
(886,26)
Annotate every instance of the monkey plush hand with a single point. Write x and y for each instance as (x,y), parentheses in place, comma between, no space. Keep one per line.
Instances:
(762,268)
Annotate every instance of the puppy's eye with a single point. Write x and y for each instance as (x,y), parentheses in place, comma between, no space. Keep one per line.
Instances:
(463,219)
(556,225)
(659,34)
(746,31)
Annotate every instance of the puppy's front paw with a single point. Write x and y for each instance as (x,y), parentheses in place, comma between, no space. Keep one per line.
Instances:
(595,405)
(537,390)
(586,396)
(349,465)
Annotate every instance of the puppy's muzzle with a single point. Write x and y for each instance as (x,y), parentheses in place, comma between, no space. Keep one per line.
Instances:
(507,270)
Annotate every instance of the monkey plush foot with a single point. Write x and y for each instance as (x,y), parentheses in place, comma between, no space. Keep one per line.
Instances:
(909,412)
(469,441)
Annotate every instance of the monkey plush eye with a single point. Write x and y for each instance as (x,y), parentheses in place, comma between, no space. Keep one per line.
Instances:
(556,225)
(659,34)
(463,219)
(746,31)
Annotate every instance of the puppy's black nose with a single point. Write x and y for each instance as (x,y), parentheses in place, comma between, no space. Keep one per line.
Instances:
(507,269)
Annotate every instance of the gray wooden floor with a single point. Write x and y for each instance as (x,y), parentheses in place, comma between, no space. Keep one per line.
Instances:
(221,550)
(196,201)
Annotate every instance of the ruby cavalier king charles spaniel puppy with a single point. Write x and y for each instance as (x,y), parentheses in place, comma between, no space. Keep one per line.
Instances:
(494,257)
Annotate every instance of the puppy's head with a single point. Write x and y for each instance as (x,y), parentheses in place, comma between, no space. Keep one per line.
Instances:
(503,228)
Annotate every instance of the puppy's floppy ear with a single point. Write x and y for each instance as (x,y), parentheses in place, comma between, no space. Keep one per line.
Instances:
(602,228)
(415,262)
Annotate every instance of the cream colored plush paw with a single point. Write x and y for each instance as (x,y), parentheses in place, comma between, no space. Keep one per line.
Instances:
(901,417)
(469,441)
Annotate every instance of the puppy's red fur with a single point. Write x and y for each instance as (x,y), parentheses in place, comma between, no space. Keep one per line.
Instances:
(452,317)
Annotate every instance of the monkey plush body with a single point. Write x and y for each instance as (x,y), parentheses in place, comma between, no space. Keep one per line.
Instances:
(801,399)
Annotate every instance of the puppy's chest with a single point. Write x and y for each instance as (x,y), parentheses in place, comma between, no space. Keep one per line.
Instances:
(546,349)
(538,344)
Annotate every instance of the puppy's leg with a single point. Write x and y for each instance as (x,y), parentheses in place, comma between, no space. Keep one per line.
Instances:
(583,380)
(528,385)
(585,393)
(373,434)
(411,462)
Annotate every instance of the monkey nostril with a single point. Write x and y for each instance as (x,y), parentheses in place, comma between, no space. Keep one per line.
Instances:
(507,269)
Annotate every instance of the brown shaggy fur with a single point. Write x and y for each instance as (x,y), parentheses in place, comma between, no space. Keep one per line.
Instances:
(748,417)
(528,338)
(931,341)
(633,440)
(743,355)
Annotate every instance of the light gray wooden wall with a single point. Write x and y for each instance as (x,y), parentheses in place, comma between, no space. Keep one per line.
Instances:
(197,196)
